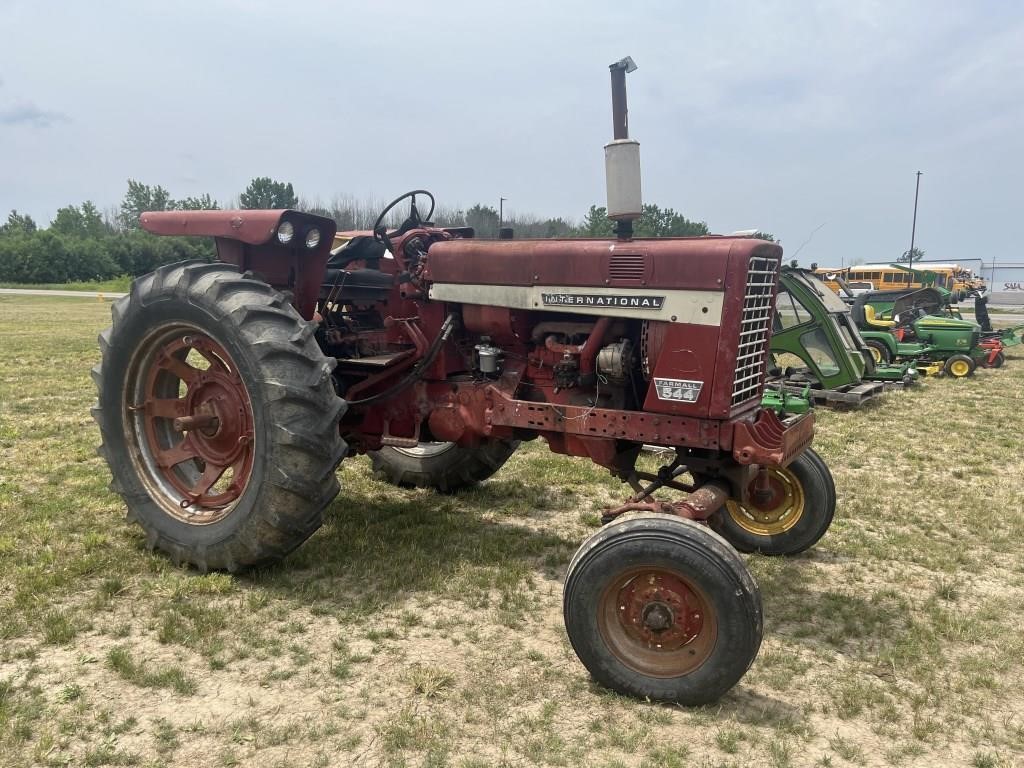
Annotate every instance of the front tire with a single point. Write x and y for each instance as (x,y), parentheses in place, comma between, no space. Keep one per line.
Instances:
(959,366)
(218,416)
(445,467)
(661,608)
(792,519)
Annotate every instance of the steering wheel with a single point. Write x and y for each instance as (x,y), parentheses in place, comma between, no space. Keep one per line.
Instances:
(380,233)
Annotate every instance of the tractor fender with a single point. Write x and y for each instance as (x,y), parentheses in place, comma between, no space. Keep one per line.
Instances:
(249,240)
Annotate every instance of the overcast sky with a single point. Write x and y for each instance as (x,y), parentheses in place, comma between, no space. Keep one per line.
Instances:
(784,116)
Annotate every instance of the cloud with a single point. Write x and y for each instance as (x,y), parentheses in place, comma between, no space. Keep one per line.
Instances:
(31,115)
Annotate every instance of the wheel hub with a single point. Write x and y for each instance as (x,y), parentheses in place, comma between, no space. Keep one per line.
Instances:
(775,503)
(660,610)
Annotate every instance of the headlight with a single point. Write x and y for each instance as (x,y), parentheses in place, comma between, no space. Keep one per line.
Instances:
(285,232)
(313,238)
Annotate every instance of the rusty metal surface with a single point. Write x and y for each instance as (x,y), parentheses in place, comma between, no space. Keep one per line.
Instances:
(254,227)
(604,422)
(767,440)
(698,505)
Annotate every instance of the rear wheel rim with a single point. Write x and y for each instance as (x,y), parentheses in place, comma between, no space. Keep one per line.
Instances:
(775,514)
(876,354)
(190,423)
(657,622)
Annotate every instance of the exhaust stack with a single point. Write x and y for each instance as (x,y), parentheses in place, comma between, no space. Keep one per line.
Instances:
(622,158)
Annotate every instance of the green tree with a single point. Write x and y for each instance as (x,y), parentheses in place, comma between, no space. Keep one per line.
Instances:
(79,222)
(264,192)
(655,221)
(142,197)
(917,252)
(596,223)
(665,222)
(18,224)
(759,235)
(484,219)
(202,203)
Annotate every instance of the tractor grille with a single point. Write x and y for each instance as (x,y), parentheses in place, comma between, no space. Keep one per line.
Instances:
(755,328)
(627,267)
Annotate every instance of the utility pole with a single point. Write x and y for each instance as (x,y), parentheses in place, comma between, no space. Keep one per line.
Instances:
(501,212)
(913,227)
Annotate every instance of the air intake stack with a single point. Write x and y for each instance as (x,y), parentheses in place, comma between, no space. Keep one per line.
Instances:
(622,158)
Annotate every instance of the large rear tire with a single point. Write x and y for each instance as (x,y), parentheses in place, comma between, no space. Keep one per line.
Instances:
(445,467)
(661,608)
(218,416)
(792,520)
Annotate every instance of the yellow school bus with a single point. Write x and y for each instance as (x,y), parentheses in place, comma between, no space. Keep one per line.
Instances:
(952,277)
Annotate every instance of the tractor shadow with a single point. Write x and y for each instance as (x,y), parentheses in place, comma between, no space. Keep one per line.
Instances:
(380,544)
(806,609)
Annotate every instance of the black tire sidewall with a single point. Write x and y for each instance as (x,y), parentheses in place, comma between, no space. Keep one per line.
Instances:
(728,590)
(883,350)
(450,471)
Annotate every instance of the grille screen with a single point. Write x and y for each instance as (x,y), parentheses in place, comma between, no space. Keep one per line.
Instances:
(627,267)
(755,328)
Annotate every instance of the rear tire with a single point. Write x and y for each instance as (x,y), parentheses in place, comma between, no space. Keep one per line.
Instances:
(793,520)
(879,352)
(959,366)
(870,366)
(445,467)
(661,608)
(998,360)
(200,341)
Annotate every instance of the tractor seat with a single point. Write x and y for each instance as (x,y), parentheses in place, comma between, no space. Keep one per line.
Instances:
(872,319)
(359,248)
(356,286)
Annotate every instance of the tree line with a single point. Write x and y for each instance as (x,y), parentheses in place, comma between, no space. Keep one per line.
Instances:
(82,243)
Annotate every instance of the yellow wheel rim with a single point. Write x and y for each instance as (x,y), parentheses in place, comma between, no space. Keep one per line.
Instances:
(960,368)
(875,353)
(778,514)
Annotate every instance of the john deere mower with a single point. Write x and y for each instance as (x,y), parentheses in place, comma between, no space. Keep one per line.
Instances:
(913,325)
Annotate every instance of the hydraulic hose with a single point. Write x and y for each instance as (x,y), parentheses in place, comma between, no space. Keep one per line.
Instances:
(418,370)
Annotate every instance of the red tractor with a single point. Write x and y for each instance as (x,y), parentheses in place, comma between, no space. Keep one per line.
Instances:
(229,393)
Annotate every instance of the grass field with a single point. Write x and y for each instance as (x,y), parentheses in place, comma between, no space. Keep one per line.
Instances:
(417,629)
(114,285)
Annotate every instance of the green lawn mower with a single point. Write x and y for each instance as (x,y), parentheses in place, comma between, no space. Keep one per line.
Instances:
(919,326)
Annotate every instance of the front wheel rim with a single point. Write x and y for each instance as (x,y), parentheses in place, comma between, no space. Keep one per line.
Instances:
(190,424)
(657,622)
(959,368)
(778,512)
(876,354)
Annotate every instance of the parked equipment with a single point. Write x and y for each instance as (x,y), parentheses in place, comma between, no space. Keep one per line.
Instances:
(815,344)
(229,392)
(907,325)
